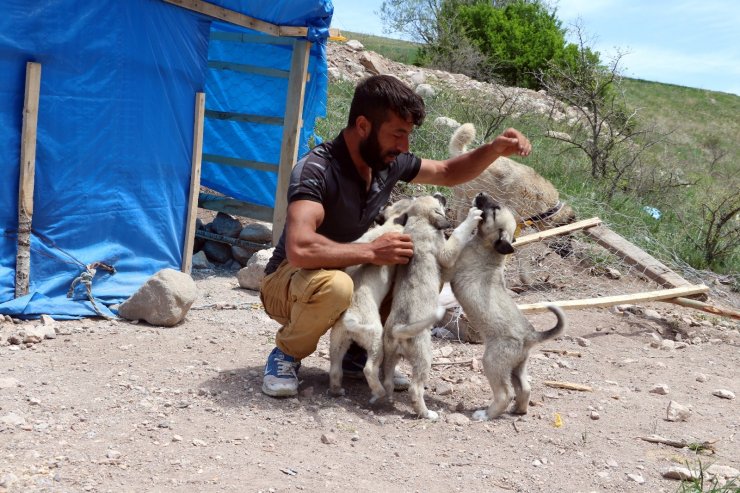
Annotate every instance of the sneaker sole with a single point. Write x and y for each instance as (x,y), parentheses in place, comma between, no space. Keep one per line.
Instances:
(279,392)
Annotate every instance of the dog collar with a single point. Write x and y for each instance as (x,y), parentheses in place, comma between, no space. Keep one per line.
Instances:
(544,215)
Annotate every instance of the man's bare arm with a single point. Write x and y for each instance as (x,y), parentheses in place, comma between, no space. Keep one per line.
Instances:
(307,249)
(469,165)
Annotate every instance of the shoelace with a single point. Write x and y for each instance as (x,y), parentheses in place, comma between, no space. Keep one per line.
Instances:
(285,368)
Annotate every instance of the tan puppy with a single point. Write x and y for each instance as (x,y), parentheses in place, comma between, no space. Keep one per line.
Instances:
(416,287)
(361,321)
(478,284)
(512,184)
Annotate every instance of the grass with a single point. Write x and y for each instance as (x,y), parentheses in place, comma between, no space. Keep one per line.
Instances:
(701,125)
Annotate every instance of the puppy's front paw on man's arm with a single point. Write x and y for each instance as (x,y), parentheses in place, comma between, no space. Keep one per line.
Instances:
(465,230)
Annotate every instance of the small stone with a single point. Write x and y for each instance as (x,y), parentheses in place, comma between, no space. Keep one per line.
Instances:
(457,419)
(667,345)
(724,394)
(678,472)
(13,419)
(446,351)
(595,415)
(701,377)
(652,315)
(113,454)
(537,463)
(637,478)
(198,442)
(444,388)
(677,412)
(176,438)
(328,438)
(725,472)
(582,342)
(612,273)
(47,320)
(660,389)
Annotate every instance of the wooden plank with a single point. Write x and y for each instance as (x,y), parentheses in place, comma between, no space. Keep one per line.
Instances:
(235,207)
(705,307)
(663,294)
(249,245)
(249,38)
(241,163)
(187,249)
(636,257)
(239,19)
(27,177)
(291,132)
(248,69)
(560,230)
(243,117)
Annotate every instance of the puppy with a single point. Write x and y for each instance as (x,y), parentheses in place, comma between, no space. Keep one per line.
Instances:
(478,284)
(361,321)
(511,184)
(416,287)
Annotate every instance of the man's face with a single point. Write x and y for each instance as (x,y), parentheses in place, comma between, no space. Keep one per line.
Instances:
(382,145)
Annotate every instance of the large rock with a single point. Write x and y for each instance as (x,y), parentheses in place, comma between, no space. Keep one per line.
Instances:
(225,225)
(163,300)
(257,232)
(217,252)
(252,274)
(373,63)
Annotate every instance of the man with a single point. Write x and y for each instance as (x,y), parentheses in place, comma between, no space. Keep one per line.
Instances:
(335,193)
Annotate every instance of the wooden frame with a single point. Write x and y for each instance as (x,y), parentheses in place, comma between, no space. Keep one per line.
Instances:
(187,253)
(27,177)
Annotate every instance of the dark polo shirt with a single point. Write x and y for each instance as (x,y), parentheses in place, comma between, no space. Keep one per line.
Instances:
(326,175)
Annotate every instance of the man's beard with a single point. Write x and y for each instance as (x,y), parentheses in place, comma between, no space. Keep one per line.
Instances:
(372,154)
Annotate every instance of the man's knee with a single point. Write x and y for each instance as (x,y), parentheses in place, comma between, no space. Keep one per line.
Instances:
(339,288)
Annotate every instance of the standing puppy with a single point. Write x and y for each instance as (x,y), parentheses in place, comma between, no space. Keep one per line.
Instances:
(361,321)
(478,284)
(417,285)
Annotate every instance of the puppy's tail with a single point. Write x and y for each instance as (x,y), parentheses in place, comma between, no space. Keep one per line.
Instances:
(556,331)
(461,139)
(415,328)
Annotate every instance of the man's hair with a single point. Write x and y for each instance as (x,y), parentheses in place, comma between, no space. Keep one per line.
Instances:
(377,95)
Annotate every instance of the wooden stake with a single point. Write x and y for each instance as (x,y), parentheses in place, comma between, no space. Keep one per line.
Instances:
(560,230)
(27,176)
(187,249)
(293,122)
(568,386)
(699,305)
(663,294)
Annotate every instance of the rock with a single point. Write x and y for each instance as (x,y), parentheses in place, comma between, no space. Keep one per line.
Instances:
(420,78)
(425,91)
(163,300)
(637,478)
(724,394)
(226,225)
(8,383)
(680,473)
(652,315)
(355,45)
(677,412)
(660,389)
(613,273)
(701,377)
(34,334)
(252,274)
(595,415)
(257,232)
(582,342)
(47,320)
(373,63)
(446,351)
(334,74)
(458,419)
(667,345)
(444,388)
(200,261)
(12,419)
(328,438)
(217,252)
(725,472)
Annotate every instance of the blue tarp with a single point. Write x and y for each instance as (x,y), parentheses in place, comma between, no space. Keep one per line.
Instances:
(115,136)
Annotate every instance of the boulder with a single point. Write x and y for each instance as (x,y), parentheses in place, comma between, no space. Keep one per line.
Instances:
(252,274)
(163,300)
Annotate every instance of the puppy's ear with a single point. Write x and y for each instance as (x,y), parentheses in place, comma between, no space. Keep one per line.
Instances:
(503,244)
(380,218)
(442,199)
(401,219)
(441,222)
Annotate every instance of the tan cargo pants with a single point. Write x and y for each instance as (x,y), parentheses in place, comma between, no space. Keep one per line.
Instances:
(306,302)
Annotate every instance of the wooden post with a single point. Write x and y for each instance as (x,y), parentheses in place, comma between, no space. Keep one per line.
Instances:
(26,180)
(291,132)
(187,251)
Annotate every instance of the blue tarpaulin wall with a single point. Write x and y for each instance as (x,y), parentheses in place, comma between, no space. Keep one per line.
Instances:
(115,137)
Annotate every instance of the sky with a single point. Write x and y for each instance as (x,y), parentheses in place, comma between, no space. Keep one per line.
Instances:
(693,43)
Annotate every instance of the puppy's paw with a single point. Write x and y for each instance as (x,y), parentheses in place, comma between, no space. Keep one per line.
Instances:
(440,312)
(337,392)
(480,415)
(431,415)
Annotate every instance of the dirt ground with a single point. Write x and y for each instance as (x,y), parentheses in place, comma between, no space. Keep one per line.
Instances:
(118,406)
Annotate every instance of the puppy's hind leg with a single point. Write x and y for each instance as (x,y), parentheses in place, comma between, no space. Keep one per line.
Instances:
(373,342)
(498,372)
(390,361)
(339,342)
(422,366)
(522,389)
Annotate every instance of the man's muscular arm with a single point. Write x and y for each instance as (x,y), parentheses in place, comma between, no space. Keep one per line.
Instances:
(307,249)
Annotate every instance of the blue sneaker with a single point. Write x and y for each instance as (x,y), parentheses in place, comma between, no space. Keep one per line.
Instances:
(281,379)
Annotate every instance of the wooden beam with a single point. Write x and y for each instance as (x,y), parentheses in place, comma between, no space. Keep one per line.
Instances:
(27,177)
(240,163)
(239,19)
(235,207)
(291,132)
(659,295)
(248,69)
(243,117)
(636,257)
(560,230)
(249,245)
(187,252)
(705,307)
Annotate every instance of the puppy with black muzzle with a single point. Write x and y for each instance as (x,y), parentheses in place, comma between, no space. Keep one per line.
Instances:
(478,284)
(416,288)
